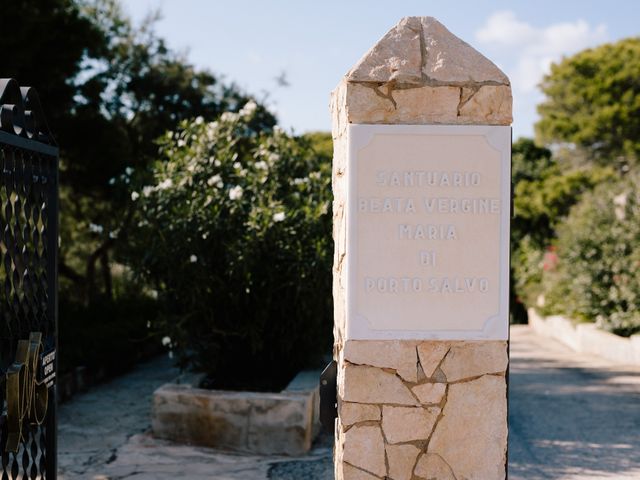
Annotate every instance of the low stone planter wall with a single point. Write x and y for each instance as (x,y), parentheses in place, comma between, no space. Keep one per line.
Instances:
(587,338)
(263,423)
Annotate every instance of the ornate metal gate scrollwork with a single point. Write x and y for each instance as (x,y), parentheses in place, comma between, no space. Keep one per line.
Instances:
(28,286)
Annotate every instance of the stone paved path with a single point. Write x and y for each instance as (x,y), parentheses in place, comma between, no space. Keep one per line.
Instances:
(103,435)
(572,417)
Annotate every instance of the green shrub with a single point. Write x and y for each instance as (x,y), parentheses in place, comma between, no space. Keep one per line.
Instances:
(545,189)
(108,337)
(235,236)
(596,276)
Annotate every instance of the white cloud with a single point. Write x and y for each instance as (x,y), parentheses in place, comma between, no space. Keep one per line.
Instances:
(531,49)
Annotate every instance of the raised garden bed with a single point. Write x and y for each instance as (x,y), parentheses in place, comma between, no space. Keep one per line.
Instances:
(263,423)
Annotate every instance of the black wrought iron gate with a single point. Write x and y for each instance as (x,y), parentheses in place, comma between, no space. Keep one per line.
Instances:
(28,286)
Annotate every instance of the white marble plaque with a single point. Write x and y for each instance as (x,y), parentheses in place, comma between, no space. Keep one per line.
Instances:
(428,232)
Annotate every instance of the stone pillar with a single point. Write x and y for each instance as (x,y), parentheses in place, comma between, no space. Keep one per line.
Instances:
(427,405)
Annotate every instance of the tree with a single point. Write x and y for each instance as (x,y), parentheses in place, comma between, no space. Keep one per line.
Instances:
(593,103)
(109,90)
(544,192)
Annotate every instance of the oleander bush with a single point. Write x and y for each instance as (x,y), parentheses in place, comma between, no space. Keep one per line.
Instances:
(593,273)
(234,235)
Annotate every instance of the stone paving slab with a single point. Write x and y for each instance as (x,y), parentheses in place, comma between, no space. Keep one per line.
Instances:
(144,457)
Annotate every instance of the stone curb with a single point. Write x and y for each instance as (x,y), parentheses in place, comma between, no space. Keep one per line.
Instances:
(587,338)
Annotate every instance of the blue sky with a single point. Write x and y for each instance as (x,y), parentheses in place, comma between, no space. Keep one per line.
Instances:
(251,42)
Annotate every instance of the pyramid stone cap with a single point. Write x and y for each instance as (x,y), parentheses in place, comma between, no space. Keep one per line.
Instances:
(421,51)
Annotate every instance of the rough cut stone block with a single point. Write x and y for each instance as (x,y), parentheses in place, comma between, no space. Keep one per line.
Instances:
(396,57)
(471,359)
(264,423)
(364,448)
(401,459)
(347,472)
(384,104)
(280,425)
(400,55)
(430,393)
(396,354)
(490,104)
(471,436)
(431,354)
(364,384)
(187,415)
(433,467)
(351,413)
(405,424)
(451,60)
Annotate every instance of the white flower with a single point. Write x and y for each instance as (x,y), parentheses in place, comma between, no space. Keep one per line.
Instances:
(261,165)
(237,165)
(93,228)
(215,180)
(199,120)
(168,183)
(278,217)
(228,116)
(235,193)
(128,170)
(135,196)
(620,202)
(217,162)
(181,143)
(148,190)
(249,108)
(166,341)
(193,259)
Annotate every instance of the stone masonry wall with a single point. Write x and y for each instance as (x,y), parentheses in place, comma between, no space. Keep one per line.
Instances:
(411,410)
(428,410)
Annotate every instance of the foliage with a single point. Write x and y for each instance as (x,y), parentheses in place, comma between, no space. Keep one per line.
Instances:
(593,102)
(544,192)
(541,204)
(595,274)
(234,232)
(107,337)
(109,90)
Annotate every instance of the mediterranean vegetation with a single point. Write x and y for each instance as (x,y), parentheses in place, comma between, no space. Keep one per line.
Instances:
(576,232)
(190,221)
